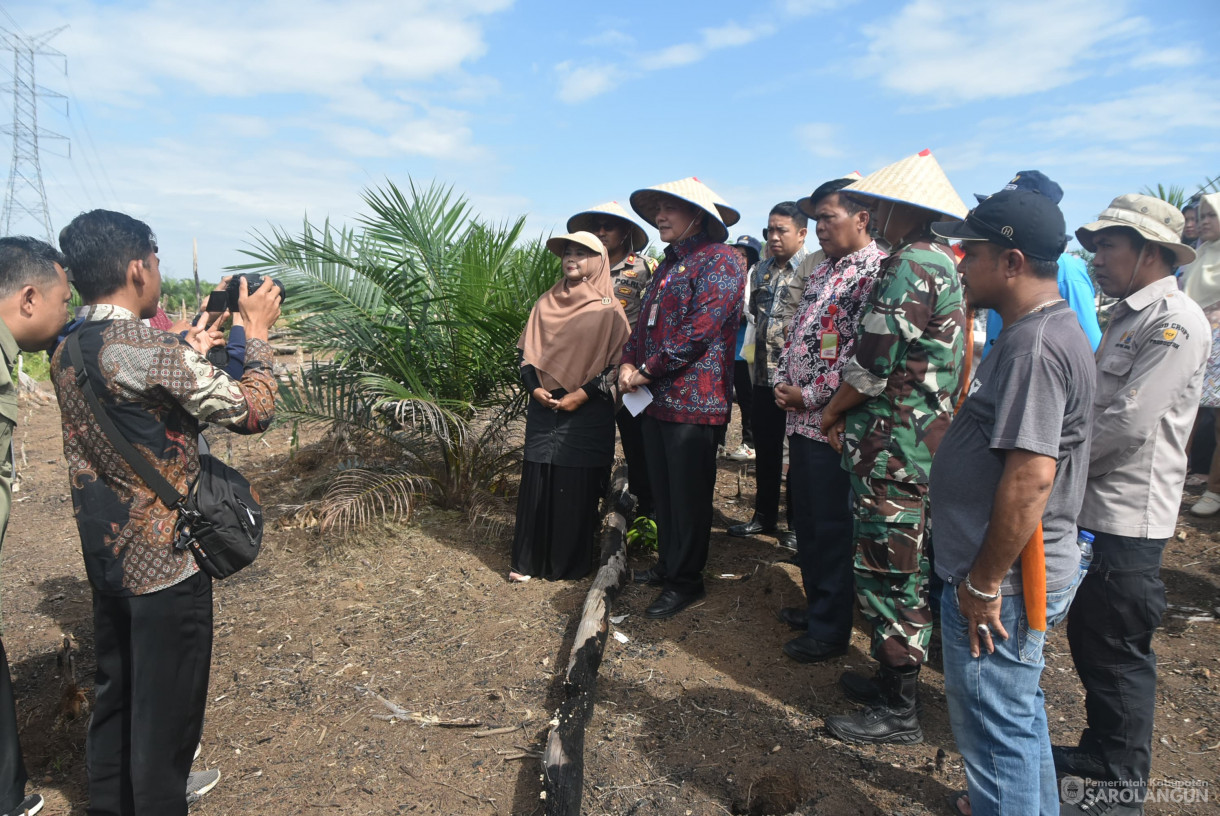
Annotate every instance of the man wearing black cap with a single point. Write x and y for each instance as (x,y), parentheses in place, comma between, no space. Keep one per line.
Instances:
(1015,457)
(1074,284)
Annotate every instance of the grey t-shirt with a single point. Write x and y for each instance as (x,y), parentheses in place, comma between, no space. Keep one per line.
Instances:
(1033,392)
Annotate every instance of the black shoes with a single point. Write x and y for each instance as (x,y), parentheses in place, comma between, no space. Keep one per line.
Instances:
(894,721)
(787,540)
(805,649)
(670,602)
(752,527)
(796,617)
(649,576)
(1077,762)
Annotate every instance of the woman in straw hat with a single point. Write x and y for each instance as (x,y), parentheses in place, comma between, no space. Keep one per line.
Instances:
(681,349)
(630,270)
(569,351)
(894,405)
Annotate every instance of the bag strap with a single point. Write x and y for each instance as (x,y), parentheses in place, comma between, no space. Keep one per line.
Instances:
(139,463)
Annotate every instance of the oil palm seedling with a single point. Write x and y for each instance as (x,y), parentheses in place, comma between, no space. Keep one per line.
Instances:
(412,316)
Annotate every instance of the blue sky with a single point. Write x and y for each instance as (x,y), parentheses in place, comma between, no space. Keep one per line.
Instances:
(213,120)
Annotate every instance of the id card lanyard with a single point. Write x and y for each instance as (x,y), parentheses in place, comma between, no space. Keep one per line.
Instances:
(828,340)
(656,301)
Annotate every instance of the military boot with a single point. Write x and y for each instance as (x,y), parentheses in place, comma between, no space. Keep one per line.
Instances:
(894,720)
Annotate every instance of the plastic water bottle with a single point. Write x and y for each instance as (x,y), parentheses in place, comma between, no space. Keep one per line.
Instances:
(1084,540)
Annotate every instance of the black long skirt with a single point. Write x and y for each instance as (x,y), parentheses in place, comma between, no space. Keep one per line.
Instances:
(557,520)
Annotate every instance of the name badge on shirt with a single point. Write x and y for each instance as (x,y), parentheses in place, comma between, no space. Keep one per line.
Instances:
(829,346)
(652,316)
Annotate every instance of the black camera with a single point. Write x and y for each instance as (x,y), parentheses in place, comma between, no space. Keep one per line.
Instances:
(227,298)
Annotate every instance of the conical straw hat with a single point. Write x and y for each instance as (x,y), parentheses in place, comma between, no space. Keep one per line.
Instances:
(916,181)
(583,221)
(692,191)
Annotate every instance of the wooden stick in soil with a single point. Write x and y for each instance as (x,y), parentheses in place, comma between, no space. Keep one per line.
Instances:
(563,761)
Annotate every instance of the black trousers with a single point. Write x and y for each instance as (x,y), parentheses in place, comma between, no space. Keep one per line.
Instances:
(154,653)
(743,393)
(769,421)
(12,768)
(1117,608)
(632,439)
(822,518)
(682,467)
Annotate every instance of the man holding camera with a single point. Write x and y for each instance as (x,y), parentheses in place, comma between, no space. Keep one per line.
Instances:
(152,606)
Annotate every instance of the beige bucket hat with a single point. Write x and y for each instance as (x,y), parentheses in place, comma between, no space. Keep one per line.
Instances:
(692,191)
(917,181)
(1157,221)
(585,219)
(585,239)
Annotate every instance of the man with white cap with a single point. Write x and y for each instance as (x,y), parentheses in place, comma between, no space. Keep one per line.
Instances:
(681,348)
(888,416)
(1013,464)
(1149,374)
(631,270)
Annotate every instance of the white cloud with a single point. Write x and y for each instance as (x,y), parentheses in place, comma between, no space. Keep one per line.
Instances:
(610,38)
(820,139)
(236,49)
(1147,113)
(1182,56)
(966,52)
(578,83)
(440,134)
(804,8)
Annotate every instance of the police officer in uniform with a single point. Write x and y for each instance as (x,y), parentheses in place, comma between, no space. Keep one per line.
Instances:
(631,270)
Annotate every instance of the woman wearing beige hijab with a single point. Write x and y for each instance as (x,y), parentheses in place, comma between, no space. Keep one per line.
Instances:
(569,354)
(1201,281)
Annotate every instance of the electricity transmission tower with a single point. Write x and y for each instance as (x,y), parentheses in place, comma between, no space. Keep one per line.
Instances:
(25,194)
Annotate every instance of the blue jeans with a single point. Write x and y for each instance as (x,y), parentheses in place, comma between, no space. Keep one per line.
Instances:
(997,711)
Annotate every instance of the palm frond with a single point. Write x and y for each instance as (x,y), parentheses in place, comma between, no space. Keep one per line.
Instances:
(356,497)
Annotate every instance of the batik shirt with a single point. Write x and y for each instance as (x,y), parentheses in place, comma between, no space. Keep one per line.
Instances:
(773,303)
(910,350)
(631,276)
(158,391)
(688,349)
(834,299)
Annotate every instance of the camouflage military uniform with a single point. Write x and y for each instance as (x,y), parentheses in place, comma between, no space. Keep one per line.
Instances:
(909,359)
(631,276)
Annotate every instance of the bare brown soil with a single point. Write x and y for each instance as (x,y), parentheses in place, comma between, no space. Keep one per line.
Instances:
(698,715)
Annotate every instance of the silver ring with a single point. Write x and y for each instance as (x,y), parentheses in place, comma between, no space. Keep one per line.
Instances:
(984,630)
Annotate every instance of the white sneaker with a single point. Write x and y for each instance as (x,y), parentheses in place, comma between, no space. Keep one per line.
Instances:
(1208,505)
(29,806)
(199,783)
(744,453)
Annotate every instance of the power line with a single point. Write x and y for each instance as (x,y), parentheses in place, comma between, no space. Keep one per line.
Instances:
(26,194)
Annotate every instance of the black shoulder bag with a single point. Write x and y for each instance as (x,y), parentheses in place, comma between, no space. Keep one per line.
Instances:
(219,519)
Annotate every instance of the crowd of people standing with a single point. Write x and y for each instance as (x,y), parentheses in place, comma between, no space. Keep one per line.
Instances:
(1051,471)
(1051,476)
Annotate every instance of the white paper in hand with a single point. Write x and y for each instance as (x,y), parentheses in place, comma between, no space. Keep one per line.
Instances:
(637,400)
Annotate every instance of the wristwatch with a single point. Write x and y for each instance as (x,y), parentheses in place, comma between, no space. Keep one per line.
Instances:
(644,371)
